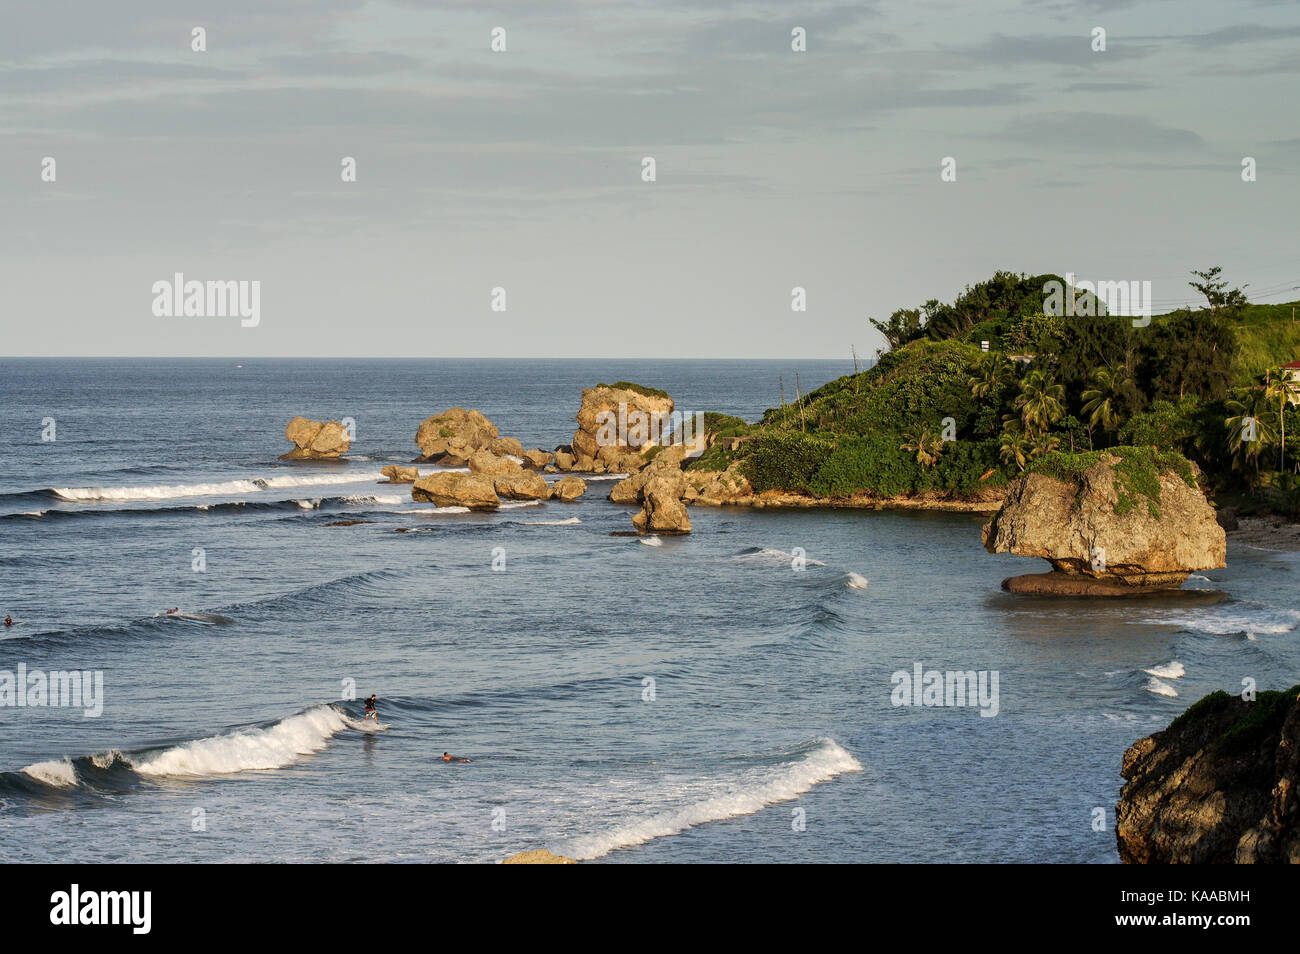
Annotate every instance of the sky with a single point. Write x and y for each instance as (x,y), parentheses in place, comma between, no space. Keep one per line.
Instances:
(522,169)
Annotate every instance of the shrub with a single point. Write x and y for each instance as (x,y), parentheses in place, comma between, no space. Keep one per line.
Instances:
(785,460)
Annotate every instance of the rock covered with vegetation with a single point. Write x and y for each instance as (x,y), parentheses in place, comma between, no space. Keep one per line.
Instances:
(451,438)
(1126,517)
(1218,786)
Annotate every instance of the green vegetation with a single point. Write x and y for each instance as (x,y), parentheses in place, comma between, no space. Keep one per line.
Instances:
(938,413)
(1138,472)
(1261,717)
(633,386)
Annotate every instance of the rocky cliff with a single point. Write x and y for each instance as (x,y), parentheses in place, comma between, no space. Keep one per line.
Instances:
(1217,786)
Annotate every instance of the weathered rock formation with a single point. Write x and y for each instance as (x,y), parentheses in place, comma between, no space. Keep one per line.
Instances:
(537,459)
(568,489)
(1103,536)
(1220,785)
(454,489)
(316,440)
(449,439)
(397,474)
(598,427)
(662,509)
(486,462)
(522,486)
(506,446)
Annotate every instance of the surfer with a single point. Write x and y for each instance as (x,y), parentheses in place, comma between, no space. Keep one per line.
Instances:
(9,620)
(451,758)
(173,612)
(371,711)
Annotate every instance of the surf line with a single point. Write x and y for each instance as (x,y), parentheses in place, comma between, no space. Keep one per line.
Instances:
(76,689)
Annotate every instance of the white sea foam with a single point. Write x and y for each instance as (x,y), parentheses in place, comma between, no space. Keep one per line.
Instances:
(250,485)
(552,523)
(650,541)
(1160,687)
(770,555)
(60,774)
(751,792)
(1267,622)
(1169,670)
(856,581)
(517,504)
(273,746)
(436,510)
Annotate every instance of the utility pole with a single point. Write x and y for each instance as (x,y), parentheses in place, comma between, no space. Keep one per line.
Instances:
(798,390)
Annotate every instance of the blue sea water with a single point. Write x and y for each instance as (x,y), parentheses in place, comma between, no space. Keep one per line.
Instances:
(698,700)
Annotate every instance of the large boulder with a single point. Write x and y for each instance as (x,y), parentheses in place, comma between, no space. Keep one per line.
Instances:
(316,440)
(662,509)
(452,437)
(600,411)
(486,462)
(718,487)
(523,486)
(1221,784)
(453,489)
(568,489)
(397,474)
(1118,522)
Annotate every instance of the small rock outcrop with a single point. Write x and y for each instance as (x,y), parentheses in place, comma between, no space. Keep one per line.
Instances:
(449,439)
(568,489)
(1113,523)
(486,462)
(662,509)
(397,474)
(316,440)
(1220,785)
(537,459)
(506,447)
(539,857)
(454,489)
(523,486)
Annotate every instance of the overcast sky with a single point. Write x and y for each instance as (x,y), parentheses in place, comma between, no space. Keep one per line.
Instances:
(522,169)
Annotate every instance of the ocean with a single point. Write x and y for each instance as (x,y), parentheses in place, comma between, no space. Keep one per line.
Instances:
(729,696)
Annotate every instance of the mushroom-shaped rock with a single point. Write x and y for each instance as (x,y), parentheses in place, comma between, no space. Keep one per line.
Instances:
(453,489)
(1110,523)
(626,416)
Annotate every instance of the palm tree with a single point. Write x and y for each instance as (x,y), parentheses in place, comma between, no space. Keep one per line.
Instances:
(927,445)
(1015,446)
(1040,402)
(1283,388)
(1043,444)
(1099,402)
(990,375)
(1252,411)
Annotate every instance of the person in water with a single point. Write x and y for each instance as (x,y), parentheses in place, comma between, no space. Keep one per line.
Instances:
(173,612)
(371,711)
(9,620)
(446,757)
